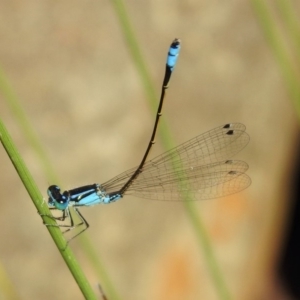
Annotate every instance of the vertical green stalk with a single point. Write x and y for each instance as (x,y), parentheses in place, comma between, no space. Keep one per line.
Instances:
(292,24)
(34,142)
(98,265)
(276,44)
(25,125)
(191,209)
(7,290)
(139,61)
(42,208)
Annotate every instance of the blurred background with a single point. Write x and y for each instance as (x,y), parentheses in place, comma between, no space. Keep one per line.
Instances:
(69,65)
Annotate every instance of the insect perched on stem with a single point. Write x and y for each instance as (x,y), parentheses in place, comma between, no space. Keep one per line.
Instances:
(201,167)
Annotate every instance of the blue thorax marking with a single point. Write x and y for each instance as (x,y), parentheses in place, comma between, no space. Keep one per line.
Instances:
(84,196)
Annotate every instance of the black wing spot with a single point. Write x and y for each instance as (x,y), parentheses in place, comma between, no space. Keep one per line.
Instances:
(230,132)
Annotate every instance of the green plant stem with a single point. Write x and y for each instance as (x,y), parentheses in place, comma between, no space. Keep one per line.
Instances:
(34,142)
(102,273)
(207,248)
(7,290)
(25,125)
(276,44)
(42,208)
(168,143)
(138,59)
(291,20)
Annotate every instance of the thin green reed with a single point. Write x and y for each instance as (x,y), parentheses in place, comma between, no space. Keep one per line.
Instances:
(291,21)
(42,208)
(51,176)
(7,289)
(277,44)
(168,142)
(25,125)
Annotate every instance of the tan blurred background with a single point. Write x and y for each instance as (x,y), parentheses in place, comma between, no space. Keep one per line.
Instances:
(69,65)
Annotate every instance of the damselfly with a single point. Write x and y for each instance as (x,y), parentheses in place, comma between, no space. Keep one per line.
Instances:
(200,168)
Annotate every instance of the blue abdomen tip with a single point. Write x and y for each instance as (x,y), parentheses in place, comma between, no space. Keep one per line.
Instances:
(173,53)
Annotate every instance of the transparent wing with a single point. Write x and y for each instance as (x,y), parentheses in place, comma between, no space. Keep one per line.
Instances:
(199,166)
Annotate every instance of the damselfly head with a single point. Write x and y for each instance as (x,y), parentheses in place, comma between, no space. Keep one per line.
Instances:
(56,198)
